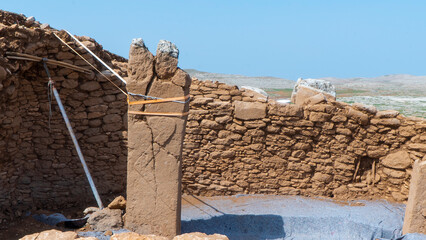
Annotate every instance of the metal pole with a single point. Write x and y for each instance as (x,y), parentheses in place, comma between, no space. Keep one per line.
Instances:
(74,139)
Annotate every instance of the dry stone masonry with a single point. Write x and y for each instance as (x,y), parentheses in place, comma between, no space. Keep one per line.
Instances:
(236,143)
(155,142)
(39,167)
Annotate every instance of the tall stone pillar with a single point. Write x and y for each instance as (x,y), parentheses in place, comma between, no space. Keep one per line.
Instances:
(415,212)
(155,142)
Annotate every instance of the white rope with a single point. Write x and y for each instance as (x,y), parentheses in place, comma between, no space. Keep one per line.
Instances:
(102,62)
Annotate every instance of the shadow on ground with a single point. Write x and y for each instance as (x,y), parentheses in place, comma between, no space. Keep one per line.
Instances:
(239,226)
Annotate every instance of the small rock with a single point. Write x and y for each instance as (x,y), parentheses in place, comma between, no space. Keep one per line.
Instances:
(106,219)
(3,74)
(108,233)
(387,114)
(200,236)
(118,203)
(90,210)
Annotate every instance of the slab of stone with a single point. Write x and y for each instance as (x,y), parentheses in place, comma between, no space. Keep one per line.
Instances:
(397,160)
(249,110)
(106,219)
(306,88)
(155,142)
(415,214)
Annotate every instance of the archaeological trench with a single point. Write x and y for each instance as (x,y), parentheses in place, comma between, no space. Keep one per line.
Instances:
(236,141)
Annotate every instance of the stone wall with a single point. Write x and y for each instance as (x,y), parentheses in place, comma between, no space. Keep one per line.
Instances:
(236,140)
(238,143)
(39,167)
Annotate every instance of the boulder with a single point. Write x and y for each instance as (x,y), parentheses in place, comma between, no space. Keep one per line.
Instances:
(397,160)
(306,88)
(135,236)
(106,219)
(387,114)
(200,236)
(51,235)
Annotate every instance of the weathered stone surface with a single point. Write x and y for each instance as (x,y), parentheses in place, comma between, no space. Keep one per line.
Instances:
(391,122)
(394,173)
(118,203)
(106,219)
(367,108)
(166,59)
(387,114)
(397,160)
(415,217)
(307,88)
(200,236)
(357,115)
(249,110)
(140,67)
(288,110)
(51,235)
(135,236)
(155,146)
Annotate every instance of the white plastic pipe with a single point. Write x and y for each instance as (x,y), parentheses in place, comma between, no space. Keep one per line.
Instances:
(77,147)
(102,62)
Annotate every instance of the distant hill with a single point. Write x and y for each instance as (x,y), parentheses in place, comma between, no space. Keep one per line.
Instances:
(395,85)
(240,80)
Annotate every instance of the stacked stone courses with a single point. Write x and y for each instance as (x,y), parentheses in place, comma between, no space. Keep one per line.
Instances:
(39,167)
(239,143)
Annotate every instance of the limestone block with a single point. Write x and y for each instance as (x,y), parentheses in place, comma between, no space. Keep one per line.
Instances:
(387,114)
(135,236)
(288,110)
(357,115)
(200,236)
(397,160)
(391,122)
(307,88)
(106,219)
(51,235)
(364,107)
(155,143)
(415,214)
(166,59)
(249,110)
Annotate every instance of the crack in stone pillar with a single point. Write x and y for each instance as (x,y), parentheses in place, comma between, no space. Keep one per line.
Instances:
(155,142)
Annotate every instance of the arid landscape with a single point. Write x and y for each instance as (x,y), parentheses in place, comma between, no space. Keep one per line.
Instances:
(402,92)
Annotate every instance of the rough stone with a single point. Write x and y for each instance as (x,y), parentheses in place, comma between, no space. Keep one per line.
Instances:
(135,236)
(415,219)
(118,203)
(397,160)
(249,110)
(387,114)
(200,236)
(154,162)
(306,88)
(166,59)
(51,235)
(366,108)
(106,219)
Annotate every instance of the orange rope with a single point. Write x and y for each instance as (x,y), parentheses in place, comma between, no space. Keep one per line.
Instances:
(172,114)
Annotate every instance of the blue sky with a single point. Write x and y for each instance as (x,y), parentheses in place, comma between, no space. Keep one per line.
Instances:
(287,38)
